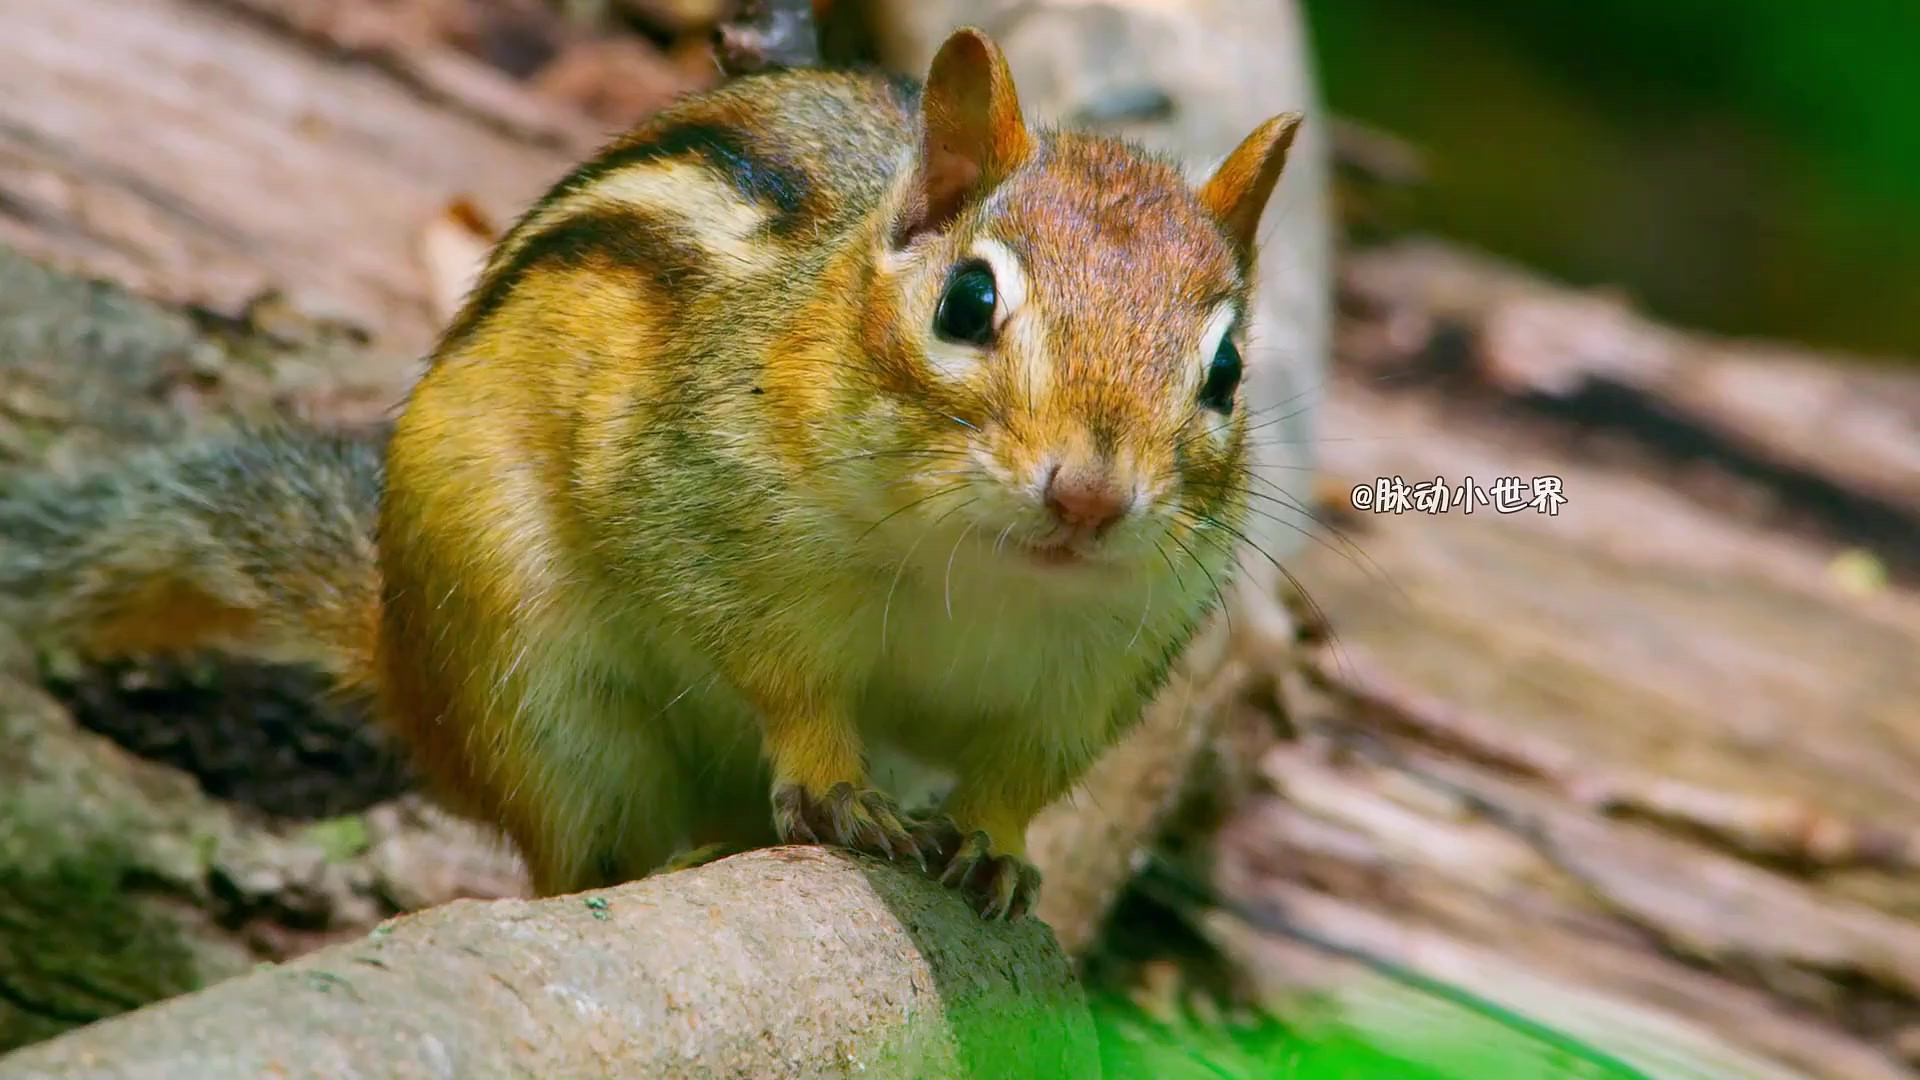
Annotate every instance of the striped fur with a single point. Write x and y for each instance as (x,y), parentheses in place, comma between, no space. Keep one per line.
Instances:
(692,502)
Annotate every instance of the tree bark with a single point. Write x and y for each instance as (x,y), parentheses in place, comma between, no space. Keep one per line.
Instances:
(808,963)
(122,880)
(1640,769)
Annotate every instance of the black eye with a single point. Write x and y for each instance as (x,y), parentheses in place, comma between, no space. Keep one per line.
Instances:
(966,307)
(1223,378)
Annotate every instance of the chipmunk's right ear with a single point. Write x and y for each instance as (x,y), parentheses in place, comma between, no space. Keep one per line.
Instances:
(972,133)
(1238,190)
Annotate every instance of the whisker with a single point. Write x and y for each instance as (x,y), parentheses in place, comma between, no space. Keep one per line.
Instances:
(1281,419)
(1281,404)
(956,550)
(886,609)
(1172,569)
(1228,615)
(909,506)
(1318,439)
(1313,606)
(1352,552)
(1144,610)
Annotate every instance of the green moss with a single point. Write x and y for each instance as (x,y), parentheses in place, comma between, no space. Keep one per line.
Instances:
(341,838)
(1135,1044)
(80,947)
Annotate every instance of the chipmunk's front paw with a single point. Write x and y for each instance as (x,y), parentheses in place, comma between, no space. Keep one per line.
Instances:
(1001,885)
(859,819)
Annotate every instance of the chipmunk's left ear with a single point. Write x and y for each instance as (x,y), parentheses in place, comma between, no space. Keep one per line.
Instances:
(972,133)
(1238,190)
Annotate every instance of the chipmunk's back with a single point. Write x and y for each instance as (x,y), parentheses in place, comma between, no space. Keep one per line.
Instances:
(754,173)
(815,146)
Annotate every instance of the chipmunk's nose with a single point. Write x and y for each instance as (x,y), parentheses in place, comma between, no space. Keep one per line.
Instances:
(1085,498)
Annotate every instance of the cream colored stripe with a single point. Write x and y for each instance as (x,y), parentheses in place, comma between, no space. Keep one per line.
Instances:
(1019,324)
(713,215)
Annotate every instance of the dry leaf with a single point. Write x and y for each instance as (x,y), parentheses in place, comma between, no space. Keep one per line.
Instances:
(1858,573)
(453,250)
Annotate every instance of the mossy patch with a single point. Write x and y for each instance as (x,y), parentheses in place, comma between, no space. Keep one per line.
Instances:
(79,945)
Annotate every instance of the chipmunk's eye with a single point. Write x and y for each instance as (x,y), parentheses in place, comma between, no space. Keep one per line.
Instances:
(966,306)
(1223,378)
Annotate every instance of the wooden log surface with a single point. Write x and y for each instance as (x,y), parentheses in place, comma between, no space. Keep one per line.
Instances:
(125,880)
(809,963)
(1644,768)
(204,158)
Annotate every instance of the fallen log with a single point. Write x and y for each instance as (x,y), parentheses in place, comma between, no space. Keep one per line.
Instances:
(1640,765)
(808,963)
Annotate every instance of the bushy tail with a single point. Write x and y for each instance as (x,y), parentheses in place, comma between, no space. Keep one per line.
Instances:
(258,542)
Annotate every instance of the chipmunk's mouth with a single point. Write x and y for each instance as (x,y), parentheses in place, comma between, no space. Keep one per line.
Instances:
(1066,554)
(1058,552)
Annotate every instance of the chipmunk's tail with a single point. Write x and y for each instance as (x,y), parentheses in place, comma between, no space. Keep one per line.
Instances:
(258,542)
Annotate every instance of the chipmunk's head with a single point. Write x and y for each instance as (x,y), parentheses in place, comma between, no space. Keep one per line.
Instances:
(1061,319)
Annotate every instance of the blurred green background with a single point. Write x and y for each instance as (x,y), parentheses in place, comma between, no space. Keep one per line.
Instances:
(1744,166)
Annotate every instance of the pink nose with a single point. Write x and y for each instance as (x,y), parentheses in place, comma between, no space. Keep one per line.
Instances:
(1084,500)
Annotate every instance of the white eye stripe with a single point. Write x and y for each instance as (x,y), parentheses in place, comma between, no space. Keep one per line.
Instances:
(1009,279)
(1217,328)
(1023,340)
(1218,425)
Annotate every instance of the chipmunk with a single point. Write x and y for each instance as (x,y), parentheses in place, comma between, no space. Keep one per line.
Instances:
(823,410)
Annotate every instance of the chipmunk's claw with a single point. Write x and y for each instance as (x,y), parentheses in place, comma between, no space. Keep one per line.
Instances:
(937,839)
(858,819)
(997,885)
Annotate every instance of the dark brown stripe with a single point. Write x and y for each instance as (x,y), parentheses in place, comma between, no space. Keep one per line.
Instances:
(626,240)
(755,173)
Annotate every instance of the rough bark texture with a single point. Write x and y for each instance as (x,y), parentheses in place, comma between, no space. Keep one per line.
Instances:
(122,881)
(808,964)
(1642,769)
(199,153)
